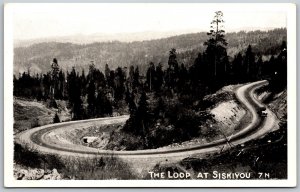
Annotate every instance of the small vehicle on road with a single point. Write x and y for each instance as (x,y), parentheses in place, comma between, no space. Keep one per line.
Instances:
(262,112)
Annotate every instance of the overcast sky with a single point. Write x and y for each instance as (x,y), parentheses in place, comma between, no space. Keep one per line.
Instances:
(31,21)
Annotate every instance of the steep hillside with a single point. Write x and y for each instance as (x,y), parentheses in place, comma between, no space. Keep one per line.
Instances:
(29,114)
(279,105)
(37,57)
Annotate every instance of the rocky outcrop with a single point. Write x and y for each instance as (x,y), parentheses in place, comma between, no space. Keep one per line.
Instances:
(53,175)
(36,174)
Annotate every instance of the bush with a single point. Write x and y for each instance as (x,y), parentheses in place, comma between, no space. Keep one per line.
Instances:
(34,122)
(52,103)
(56,119)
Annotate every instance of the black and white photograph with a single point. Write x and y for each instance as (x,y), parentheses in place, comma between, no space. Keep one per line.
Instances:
(150,95)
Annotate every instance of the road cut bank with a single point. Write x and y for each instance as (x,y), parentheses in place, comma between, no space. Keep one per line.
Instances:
(207,175)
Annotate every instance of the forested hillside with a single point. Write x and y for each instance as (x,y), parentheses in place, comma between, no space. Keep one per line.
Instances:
(37,57)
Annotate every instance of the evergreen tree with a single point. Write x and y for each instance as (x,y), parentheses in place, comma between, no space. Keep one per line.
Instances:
(216,54)
(131,78)
(54,78)
(83,81)
(75,95)
(59,94)
(91,99)
(182,77)
(127,95)
(99,79)
(72,86)
(172,62)
(46,85)
(136,78)
(249,62)
(278,80)
(282,68)
(143,117)
(132,105)
(56,119)
(172,71)
(77,109)
(198,70)
(259,65)
(119,84)
(107,72)
(150,76)
(238,68)
(159,77)
(111,80)
(139,121)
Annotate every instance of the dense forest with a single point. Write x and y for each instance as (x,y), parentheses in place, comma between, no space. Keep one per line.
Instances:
(37,57)
(161,98)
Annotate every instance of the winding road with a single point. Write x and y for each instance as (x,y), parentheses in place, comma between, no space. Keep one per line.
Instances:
(45,139)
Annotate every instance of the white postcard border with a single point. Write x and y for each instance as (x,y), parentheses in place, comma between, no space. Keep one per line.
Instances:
(9,180)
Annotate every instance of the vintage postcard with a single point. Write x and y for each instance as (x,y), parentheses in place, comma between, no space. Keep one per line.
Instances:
(150,95)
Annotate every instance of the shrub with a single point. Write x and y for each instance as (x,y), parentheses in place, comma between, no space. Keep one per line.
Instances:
(34,122)
(56,119)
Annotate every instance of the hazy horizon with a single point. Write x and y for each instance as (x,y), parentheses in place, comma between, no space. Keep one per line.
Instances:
(43,21)
(164,34)
(82,39)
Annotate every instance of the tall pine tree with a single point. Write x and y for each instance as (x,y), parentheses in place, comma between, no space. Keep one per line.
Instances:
(216,54)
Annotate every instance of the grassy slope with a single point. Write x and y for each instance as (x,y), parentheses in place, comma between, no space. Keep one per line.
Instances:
(98,168)
(29,114)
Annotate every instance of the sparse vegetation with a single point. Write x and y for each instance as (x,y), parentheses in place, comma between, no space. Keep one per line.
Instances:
(28,156)
(97,168)
(93,168)
(29,113)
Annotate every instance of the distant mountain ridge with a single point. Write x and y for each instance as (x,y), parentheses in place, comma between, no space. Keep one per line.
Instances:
(38,56)
(102,37)
(109,37)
